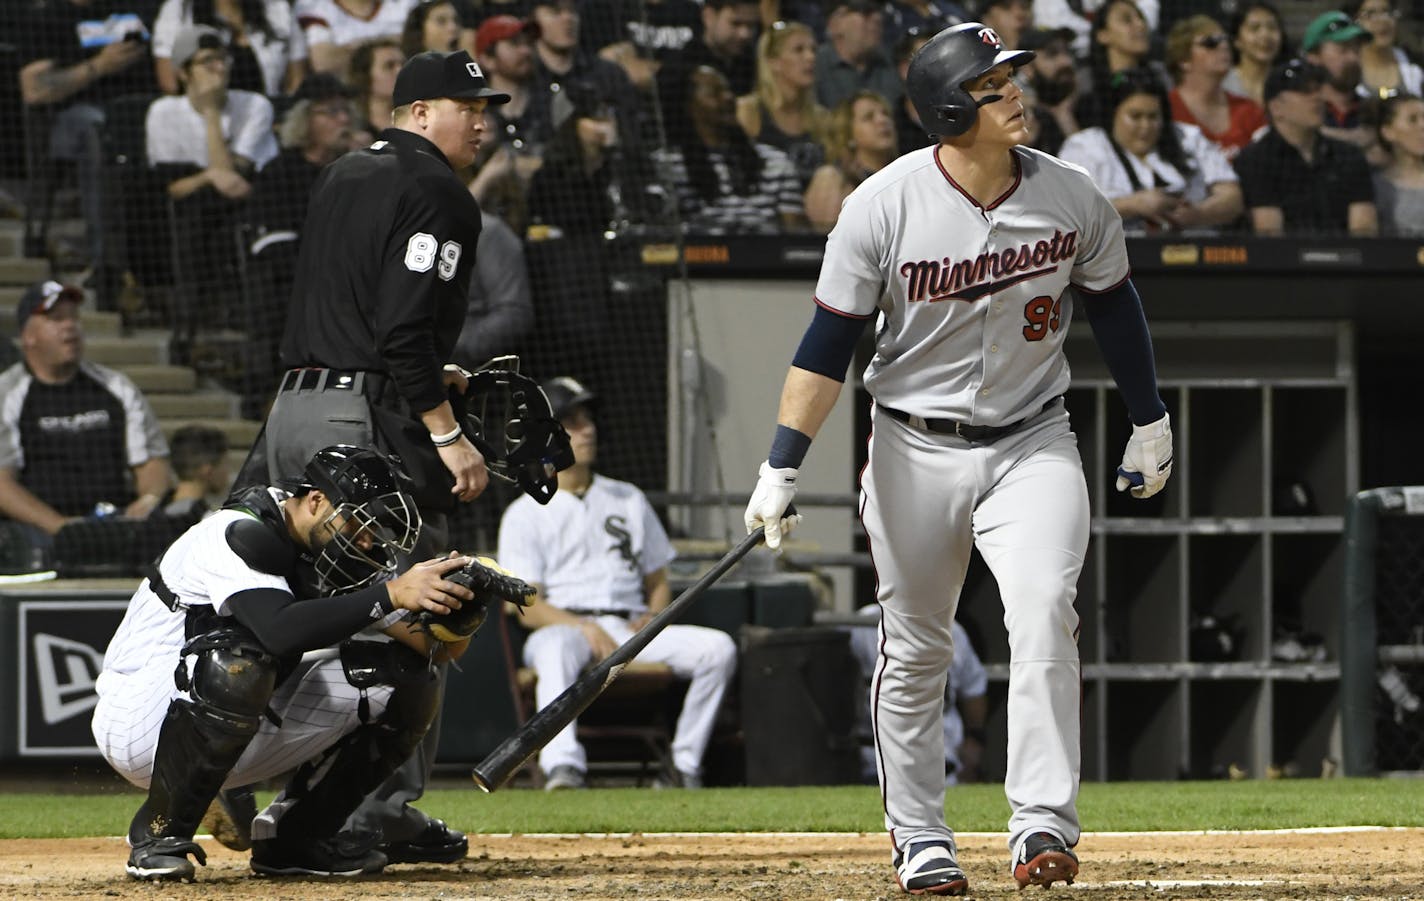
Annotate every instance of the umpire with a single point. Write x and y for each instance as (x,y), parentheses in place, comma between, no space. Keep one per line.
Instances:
(379,299)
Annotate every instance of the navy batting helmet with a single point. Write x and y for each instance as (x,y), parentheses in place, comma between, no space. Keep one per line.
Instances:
(565,393)
(935,81)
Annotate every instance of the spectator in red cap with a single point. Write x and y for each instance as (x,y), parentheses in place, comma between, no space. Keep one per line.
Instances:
(518,129)
(73,434)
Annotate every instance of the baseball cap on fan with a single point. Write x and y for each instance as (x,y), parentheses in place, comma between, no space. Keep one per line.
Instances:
(502,28)
(41,297)
(193,38)
(432,75)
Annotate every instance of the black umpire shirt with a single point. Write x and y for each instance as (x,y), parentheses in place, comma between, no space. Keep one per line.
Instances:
(1314,196)
(384,267)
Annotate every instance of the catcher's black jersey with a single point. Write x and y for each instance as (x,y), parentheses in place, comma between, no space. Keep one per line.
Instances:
(384,266)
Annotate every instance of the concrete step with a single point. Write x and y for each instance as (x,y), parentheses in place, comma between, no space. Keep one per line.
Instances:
(240,432)
(154,378)
(117,351)
(22,271)
(199,405)
(10,242)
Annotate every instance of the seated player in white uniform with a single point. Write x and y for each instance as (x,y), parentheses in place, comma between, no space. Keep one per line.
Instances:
(205,684)
(599,557)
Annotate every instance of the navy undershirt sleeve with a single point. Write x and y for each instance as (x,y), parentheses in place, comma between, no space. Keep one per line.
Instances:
(1120,328)
(828,344)
(285,625)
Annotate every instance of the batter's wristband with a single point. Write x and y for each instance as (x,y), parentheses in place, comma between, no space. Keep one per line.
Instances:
(447,439)
(788,448)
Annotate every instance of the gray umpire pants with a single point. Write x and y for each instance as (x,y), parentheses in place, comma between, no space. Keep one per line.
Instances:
(301,423)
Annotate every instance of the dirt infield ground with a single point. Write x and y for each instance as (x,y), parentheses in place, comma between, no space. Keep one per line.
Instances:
(1378,864)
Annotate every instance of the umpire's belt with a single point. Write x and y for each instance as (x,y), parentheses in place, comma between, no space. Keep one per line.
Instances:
(979,434)
(320,379)
(583,611)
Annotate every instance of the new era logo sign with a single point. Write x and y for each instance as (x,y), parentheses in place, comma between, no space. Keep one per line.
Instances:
(67,670)
(474,70)
(990,37)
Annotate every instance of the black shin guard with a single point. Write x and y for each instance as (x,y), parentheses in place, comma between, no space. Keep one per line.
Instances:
(201,739)
(193,759)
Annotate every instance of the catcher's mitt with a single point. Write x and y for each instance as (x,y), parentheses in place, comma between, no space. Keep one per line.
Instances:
(492,584)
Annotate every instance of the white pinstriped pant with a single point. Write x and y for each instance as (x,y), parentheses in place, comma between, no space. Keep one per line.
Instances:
(316,705)
(927,500)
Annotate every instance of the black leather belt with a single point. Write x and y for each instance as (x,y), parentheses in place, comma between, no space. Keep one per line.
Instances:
(581,611)
(979,434)
(318,379)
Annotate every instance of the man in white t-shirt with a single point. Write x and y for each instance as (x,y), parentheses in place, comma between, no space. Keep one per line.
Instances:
(226,133)
(598,556)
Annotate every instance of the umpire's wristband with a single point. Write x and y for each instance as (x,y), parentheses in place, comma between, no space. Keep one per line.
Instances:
(446,439)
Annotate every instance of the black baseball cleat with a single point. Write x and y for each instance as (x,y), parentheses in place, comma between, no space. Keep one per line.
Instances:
(1043,859)
(930,868)
(436,843)
(343,854)
(165,859)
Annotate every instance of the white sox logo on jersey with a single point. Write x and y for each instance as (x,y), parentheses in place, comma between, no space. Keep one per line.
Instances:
(936,280)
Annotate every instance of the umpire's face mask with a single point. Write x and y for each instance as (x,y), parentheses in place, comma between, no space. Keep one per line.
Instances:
(356,545)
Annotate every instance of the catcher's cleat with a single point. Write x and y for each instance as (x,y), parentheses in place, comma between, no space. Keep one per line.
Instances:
(229,818)
(436,843)
(343,854)
(1043,859)
(930,868)
(165,859)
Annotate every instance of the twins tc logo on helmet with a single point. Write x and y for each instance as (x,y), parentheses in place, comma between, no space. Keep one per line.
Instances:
(990,37)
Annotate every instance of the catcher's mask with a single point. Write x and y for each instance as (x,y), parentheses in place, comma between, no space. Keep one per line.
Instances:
(508,418)
(373,518)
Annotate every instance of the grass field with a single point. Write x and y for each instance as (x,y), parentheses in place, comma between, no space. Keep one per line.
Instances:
(1105,807)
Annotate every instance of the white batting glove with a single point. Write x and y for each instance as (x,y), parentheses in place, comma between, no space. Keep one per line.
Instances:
(773,494)
(1147,461)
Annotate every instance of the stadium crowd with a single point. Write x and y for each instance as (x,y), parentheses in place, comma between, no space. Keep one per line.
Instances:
(193,130)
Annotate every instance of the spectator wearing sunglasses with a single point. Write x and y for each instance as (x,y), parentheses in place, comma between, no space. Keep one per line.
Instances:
(1332,41)
(1199,58)
(1296,178)
(1384,66)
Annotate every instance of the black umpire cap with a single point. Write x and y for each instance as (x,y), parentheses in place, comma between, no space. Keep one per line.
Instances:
(432,75)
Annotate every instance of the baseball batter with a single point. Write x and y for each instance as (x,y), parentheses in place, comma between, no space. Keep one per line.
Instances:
(599,558)
(205,684)
(964,253)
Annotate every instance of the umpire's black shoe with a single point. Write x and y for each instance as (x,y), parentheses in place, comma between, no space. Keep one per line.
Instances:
(436,843)
(343,854)
(165,859)
(930,868)
(1044,859)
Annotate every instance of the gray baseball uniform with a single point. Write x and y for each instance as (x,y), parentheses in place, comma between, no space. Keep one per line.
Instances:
(973,308)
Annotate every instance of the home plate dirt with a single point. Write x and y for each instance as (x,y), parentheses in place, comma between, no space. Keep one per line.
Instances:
(1351,864)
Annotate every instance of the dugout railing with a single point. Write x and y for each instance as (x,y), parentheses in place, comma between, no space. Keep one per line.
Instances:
(1382,633)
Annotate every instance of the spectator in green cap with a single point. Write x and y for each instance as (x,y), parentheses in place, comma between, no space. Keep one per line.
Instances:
(1332,41)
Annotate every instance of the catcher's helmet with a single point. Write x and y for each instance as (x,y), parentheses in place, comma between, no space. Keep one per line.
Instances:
(565,393)
(369,493)
(938,71)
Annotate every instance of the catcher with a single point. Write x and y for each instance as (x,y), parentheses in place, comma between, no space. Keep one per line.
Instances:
(206,684)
